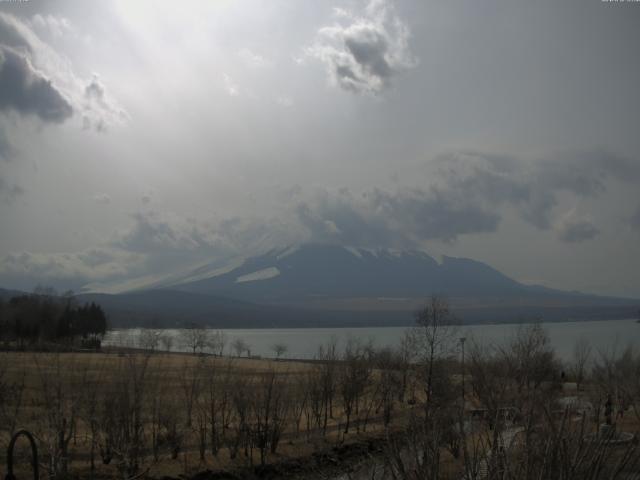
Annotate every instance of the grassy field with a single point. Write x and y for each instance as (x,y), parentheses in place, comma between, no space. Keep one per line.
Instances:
(128,414)
(163,409)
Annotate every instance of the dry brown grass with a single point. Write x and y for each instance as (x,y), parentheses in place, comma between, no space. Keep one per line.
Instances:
(75,373)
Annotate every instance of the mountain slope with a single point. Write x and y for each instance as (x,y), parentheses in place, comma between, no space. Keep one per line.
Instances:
(328,276)
(324,285)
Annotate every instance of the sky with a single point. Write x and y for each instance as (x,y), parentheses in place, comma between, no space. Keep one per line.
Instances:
(141,139)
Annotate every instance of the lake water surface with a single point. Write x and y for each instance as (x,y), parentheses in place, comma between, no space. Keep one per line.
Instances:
(303,343)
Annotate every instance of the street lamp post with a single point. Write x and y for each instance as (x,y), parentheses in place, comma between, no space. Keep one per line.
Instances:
(462,407)
(462,340)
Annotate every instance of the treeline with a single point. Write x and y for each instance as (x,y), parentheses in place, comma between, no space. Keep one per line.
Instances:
(45,317)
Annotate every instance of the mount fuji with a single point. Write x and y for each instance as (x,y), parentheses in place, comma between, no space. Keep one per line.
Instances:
(330,285)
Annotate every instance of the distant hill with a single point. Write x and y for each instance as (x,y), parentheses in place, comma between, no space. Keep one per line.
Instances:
(169,308)
(6,294)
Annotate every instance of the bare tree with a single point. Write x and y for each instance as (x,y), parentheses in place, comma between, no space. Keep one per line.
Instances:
(195,338)
(89,408)
(11,396)
(172,433)
(279,349)
(617,376)
(167,342)
(219,396)
(239,346)
(122,414)
(269,407)
(217,342)
(191,383)
(149,339)
(61,403)
(434,335)
(299,402)
(315,406)
(239,436)
(327,373)
(388,381)
(406,354)
(353,377)
(580,361)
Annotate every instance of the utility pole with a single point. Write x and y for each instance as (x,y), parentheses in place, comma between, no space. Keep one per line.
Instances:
(462,340)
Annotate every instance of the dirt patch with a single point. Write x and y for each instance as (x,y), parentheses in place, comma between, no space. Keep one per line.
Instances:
(327,463)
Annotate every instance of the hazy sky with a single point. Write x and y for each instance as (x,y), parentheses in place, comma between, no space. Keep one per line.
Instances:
(143,138)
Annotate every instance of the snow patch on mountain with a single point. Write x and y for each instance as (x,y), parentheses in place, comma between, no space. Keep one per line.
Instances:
(264,274)
(288,251)
(353,251)
(210,271)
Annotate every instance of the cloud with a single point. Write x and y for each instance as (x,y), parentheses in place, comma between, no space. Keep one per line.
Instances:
(102,198)
(54,25)
(463,193)
(9,191)
(35,79)
(16,34)
(71,270)
(341,219)
(572,228)
(99,110)
(532,187)
(152,232)
(27,91)
(469,193)
(230,86)
(379,218)
(285,101)
(6,149)
(252,59)
(152,246)
(364,53)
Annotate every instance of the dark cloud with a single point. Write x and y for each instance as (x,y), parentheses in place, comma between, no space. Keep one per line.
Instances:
(169,235)
(365,54)
(27,91)
(152,232)
(392,219)
(35,79)
(585,172)
(434,214)
(573,229)
(469,194)
(339,219)
(532,187)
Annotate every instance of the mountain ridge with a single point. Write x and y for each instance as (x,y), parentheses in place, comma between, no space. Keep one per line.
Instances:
(296,274)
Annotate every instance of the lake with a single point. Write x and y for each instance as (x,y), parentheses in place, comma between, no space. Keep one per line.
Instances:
(303,343)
